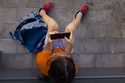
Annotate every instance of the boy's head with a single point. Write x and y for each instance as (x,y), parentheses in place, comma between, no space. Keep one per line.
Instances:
(62,70)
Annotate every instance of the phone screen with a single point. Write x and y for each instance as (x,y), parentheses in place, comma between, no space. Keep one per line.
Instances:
(60,35)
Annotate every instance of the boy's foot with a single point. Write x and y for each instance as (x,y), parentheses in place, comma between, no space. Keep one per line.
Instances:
(48,7)
(84,8)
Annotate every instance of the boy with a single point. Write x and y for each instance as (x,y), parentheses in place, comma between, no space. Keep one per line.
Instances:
(55,60)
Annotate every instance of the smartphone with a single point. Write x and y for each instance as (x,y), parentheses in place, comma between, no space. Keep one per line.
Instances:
(60,35)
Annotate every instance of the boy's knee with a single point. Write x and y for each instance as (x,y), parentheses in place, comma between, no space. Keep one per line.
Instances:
(69,29)
(54,27)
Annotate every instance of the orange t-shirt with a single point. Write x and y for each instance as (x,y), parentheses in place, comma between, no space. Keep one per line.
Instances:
(42,59)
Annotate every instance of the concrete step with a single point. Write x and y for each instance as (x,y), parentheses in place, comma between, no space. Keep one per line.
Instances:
(120,80)
(84,46)
(84,73)
(26,61)
(16,61)
(11,46)
(75,81)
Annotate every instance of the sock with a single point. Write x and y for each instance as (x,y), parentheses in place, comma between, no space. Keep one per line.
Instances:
(79,14)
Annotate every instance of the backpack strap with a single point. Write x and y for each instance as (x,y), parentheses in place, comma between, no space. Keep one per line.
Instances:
(24,23)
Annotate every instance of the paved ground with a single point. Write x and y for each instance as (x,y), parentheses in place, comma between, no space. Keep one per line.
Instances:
(30,74)
(99,41)
(75,81)
(88,76)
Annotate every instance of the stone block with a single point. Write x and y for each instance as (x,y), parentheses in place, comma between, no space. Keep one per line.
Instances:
(1,14)
(99,45)
(91,46)
(66,4)
(1,3)
(62,16)
(103,4)
(16,61)
(13,3)
(84,60)
(117,45)
(102,24)
(110,61)
(96,30)
(11,46)
(76,4)
(34,4)
(102,16)
(99,24)
(5,28)
(22,12)
(123,29)
(8,3)
(8,15)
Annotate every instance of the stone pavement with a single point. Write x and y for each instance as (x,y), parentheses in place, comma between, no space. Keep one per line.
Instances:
(99,40)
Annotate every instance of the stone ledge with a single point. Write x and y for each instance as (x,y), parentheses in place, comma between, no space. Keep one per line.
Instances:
(84,73)
(11,46)
(85,46)
(16,61)
(20,61)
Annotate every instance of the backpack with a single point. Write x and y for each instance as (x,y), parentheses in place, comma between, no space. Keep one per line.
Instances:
(31,32)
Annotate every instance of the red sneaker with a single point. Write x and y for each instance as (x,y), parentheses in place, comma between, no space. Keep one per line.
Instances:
(48,6)
(84,8)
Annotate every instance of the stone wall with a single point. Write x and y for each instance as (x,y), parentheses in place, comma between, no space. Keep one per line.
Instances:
(99,40)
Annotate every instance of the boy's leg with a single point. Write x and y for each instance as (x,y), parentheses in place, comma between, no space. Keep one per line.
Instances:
(74,25)
(76,21)
(71,28)
(52,24)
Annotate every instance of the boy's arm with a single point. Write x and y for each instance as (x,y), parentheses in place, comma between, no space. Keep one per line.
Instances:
(69,46)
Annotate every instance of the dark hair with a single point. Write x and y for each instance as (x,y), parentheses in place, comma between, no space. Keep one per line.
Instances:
(62,70)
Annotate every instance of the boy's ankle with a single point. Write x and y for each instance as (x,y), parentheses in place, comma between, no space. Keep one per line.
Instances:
(79,13)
